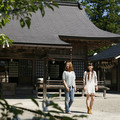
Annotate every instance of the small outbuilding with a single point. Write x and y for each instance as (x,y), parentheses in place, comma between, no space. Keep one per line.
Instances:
(108,65)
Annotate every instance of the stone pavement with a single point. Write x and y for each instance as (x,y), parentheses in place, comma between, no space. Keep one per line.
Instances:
(103,109)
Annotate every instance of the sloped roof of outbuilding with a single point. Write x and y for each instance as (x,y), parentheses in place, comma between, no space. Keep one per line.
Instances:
(66,20)
(109,53)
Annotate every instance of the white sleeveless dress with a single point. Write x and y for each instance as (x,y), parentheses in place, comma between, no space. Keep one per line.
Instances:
(90,83)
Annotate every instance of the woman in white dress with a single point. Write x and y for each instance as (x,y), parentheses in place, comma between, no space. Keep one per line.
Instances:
(90,85)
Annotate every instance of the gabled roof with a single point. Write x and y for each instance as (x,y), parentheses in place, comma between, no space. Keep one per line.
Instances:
(67,20)
(109,53)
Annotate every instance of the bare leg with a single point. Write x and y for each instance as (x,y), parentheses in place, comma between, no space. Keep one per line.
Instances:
(92,100)
(87,100)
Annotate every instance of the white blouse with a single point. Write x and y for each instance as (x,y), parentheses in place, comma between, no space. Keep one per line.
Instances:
(69,78)
(90,80)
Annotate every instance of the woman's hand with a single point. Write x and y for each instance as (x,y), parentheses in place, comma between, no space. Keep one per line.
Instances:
(75,89)
(84,88)
(67,89)
(96,88)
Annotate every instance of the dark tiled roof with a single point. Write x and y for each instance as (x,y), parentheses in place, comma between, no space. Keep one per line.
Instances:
(66,20)
(109,53)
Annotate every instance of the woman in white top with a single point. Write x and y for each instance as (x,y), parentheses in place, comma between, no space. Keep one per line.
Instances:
(90,84)
(70,86)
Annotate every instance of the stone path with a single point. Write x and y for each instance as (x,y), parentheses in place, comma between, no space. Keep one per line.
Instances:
(103,109)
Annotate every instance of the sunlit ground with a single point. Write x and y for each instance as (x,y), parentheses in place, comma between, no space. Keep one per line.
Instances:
(103,109)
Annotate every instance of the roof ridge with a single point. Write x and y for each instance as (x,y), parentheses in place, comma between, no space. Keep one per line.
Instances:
(70,2)
(65,3)
(76,3)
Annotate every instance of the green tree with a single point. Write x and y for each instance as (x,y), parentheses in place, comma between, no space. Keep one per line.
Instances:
(105,14)
(21,10)
(91,52)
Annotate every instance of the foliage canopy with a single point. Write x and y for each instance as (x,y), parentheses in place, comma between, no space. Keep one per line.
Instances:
(105,14)
(21,10)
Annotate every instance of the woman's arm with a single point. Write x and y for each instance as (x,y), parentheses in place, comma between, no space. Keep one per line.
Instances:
(84,81)
(75,87)
(96,83)
(75,82)
(64,82)
(66,87)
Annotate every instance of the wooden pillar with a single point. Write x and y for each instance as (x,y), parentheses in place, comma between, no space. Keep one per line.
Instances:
(34,81)
(44,79)
(33,72)
(71,54)
(98,71)
(118,75)
(104,94)
(60,92)
(83,92)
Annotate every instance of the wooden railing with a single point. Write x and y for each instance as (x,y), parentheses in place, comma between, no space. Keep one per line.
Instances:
(58,84)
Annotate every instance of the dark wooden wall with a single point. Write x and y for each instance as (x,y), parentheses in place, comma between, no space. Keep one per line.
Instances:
(77,52)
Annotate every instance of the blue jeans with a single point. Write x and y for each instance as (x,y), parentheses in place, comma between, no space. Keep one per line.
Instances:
(68,102)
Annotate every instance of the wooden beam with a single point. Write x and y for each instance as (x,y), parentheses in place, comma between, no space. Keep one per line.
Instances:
(16,53)
(56,56)
(43,46)
(45,79)
(91,42)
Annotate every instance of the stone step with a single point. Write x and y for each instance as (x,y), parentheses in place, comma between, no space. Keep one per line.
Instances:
(25,96)
(25,90)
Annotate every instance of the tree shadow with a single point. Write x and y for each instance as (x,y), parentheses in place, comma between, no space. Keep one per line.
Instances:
(79,112)
(74,112)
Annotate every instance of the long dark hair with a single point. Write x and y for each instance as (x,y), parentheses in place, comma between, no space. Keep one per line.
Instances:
(89,64)
(88,71)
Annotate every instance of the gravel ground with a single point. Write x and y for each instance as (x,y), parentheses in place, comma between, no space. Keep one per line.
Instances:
(103,109)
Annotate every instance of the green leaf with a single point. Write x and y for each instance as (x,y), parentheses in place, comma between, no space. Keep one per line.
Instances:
(54,111)
(16,111)
(80,116)
(67,118)
(3,22)
(55,4)
(41,8)
(55,105)
(35,101)
(49,6)
(28,22)
(52,118)
(40,112)
(22,22)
